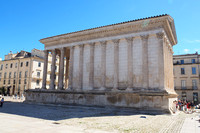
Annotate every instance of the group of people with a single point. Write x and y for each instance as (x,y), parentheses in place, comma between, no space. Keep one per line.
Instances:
(2,101)
(186,106)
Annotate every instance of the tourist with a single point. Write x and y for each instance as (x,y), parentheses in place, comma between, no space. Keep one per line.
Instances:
(174,107)
(2,101)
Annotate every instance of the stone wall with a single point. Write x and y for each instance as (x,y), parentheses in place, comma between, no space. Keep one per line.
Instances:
(145,101)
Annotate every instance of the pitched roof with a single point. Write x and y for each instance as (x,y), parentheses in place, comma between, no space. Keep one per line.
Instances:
(157,16)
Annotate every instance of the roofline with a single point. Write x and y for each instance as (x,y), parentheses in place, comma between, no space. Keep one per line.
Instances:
(157,16)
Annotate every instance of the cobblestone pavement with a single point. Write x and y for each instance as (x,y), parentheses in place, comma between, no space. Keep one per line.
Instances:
(16,116)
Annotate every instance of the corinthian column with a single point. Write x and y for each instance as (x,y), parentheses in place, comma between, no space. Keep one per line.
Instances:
(61,69)
(116,63)
(103,65)
(145,66)
(80,67)
(130,62)
(46,52)
(91,73)
(53,66)
(71,67)
(160,37)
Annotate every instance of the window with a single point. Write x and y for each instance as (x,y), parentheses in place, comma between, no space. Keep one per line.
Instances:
(24,87)
(193,60)
(20,74)
(9,74)
(193,70)
(182,61)
(38,82)
(26,73)
(194,84)
(1,67)
(13,81)
(184,96)
(24,81)
(27,63)
(4,82)
(15,65)
(21,64)
(39,64)
(0,76)
(195,97)
(19,81)
(14,74)
(8,81)
(182,71)
(183,84)
(38,74)
(55,68)
(18,89)
(11,65)
(6,66)
(4,75)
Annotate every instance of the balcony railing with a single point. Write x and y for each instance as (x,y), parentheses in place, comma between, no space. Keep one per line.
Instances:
(186,88)
(179,63)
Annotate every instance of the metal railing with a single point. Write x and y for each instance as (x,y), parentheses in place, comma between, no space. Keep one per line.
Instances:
(186,88)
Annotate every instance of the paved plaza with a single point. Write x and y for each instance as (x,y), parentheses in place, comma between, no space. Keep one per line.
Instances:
(16,116)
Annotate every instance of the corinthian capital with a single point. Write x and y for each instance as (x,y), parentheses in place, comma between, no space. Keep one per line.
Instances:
(160,35)
(129,40)
(116,41)
(144,37)
(103,42)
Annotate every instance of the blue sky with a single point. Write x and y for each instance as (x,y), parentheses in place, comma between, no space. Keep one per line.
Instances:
(24,22)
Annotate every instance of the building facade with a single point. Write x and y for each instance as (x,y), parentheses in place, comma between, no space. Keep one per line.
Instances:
(187,76)
(128,64)
(22,71)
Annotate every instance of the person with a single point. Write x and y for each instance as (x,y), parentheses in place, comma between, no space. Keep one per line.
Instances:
(2,101)
(174,107)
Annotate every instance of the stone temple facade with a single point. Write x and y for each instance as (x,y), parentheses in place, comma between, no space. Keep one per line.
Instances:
(127,64)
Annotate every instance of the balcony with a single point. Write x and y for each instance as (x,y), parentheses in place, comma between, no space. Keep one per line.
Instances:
(185,63)
(186,88)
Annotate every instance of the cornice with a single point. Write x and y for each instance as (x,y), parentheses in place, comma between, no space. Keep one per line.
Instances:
(115,30)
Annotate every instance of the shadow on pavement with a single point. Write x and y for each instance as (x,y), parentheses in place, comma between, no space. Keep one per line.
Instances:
(61,112)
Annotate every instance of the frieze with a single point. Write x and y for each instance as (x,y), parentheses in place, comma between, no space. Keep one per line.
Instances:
(124,29)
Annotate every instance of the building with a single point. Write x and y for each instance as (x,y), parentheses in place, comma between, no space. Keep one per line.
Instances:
(128,64)
(22,71)
(187,76)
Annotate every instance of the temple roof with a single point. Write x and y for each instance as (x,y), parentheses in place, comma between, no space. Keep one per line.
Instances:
(70,37)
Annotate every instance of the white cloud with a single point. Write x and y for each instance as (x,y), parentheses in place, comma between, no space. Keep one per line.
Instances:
(186,50)
(192,41)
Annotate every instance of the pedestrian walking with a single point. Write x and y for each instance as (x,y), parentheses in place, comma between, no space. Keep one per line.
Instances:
(2,101)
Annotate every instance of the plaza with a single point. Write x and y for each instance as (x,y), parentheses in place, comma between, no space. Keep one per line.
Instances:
(17,116)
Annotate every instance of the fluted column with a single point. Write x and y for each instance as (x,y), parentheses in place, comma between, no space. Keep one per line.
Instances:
(80,82)
(71,67)
(91,73)
(44,80)
(130,62)
(66,72)
(103,65)
(145,66)
(160,37)
(53,66)
(61,69)
(116,63)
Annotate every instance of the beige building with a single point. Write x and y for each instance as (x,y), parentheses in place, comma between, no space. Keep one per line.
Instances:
(22,71)
(187,76)
(128,64)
